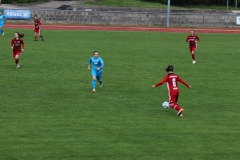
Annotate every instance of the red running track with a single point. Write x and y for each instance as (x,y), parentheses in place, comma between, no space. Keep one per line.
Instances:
(128,28)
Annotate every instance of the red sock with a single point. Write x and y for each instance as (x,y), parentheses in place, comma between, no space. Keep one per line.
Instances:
(35,37)
(176,107)
(193,57)
(16,61)
(41,36)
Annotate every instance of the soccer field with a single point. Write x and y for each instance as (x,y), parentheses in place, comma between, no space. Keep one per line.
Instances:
(48,112)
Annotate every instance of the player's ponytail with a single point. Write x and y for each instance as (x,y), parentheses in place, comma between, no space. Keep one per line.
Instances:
(20,35)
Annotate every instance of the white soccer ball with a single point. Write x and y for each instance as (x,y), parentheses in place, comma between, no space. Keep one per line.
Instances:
(165,105)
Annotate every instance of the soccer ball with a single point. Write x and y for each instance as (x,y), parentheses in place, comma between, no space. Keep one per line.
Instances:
(165,105)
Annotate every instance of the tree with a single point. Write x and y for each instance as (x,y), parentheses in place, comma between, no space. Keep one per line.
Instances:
(195,2)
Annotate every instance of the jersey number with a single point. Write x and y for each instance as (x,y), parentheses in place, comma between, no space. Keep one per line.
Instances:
(174,82)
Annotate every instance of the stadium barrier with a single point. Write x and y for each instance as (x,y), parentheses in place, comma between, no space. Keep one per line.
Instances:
(92,17)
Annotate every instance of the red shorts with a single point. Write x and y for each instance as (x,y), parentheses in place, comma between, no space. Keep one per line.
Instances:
(37,30)
(192,49)
(16,53)
(173,96)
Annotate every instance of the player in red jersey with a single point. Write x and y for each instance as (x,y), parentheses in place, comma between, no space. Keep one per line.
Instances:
(193,39)
(17,45)
(173,91)
(37,28)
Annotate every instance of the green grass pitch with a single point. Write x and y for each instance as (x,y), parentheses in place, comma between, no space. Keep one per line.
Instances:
(48,112)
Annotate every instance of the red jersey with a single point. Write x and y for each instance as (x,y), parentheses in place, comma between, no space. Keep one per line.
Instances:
(37,23)
(192,40)
(17,44)
(172,81)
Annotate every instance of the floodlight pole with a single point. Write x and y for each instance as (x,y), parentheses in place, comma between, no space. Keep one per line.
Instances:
(168,13)
(227,4)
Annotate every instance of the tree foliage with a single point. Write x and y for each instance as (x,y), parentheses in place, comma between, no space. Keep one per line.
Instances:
(195,2)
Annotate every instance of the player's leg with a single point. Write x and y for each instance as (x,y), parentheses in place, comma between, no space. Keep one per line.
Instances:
(193,54)
(35,35)
(94,74)
(39,34)
(99,78)
(174,105)
(172,102)
(94,83)
(14,54)
(180,110)
(173,99)
(1,29)
(16,58)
